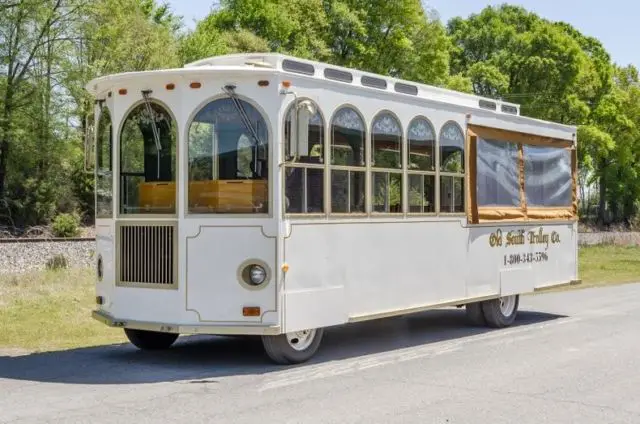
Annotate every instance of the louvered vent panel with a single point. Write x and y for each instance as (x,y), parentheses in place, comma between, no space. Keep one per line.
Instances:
(147,254)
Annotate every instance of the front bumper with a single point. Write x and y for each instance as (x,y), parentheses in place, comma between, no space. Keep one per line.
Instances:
(213,329)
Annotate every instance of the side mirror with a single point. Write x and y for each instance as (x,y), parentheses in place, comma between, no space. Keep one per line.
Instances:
(299,141)
(306,111)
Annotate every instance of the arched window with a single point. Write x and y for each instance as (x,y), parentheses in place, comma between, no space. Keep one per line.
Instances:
(386,138)
(421,166)
(451,168)
(228,159)
(304,154)
(104,165)
(148,161)
(348,162)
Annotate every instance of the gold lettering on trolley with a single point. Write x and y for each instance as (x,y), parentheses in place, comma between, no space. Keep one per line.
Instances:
(538,238)
(522,237)
(515,238)
(495,239)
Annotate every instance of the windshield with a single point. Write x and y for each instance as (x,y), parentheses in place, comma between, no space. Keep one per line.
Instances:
(148,161)
(228,159)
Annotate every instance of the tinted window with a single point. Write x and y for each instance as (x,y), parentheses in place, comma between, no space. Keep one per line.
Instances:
(422,142)
(347,138)
(387,142)
(451,148)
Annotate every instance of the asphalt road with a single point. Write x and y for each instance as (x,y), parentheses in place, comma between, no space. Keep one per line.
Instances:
(572,357)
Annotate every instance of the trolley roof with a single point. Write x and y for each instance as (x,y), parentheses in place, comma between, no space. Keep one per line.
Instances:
(276,62)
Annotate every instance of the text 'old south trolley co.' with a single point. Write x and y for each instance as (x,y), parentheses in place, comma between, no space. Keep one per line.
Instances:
(521,238)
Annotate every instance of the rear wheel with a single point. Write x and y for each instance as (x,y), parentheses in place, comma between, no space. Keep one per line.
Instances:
(501,312)
(150,340)
(475,315)
(293,348)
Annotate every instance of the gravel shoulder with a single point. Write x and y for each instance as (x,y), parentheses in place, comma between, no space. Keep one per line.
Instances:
(18,258)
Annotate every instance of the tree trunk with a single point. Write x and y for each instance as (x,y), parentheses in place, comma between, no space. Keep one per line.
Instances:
(4,143)
(629,209)
(603,194)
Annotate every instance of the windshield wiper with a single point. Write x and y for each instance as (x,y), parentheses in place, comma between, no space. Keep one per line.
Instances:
(154,127)
(229,89)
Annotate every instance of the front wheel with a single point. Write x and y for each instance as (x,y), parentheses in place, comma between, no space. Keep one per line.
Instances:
(150,340)
(293,348)
(501,312)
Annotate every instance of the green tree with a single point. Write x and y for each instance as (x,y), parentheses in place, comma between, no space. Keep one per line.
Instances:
(513,54)
(48,52)
(396,38)
(556,73)
(115,36)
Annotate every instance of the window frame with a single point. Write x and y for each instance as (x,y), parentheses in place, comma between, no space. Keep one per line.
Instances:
(523,213)
(364,169)
(372,169)
(432,173)
(305,166)
(453,175)
(118,168)
(270,154)
(111,168)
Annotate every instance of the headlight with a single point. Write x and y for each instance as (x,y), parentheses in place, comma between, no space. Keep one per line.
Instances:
(257,274)
(254,274)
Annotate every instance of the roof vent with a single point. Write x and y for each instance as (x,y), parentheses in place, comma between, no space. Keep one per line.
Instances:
(338,75)
(486,104)
(509,109)
(298,67)
(373,82)
(406,88)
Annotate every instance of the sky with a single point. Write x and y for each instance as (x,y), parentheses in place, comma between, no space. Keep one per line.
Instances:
(613,22)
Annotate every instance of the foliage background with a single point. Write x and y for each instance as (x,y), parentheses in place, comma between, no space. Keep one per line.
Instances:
(49,49)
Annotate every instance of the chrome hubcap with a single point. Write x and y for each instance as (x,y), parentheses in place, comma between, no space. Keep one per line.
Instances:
(507,305)
(301,340)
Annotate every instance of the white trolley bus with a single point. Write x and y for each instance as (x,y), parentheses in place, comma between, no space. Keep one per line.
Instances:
(265,195)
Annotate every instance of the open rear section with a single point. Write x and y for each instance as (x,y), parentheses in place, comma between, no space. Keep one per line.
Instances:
(522,207)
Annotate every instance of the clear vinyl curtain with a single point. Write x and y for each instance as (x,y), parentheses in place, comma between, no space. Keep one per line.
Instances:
(498,181)
(548,181)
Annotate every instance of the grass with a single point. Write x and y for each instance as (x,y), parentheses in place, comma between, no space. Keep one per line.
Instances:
(605,265)
(51,310)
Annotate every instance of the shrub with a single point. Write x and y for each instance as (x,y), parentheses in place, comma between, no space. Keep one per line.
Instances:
(57,262)
(66,225)
(634,223)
